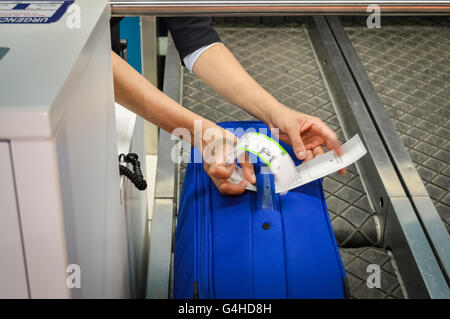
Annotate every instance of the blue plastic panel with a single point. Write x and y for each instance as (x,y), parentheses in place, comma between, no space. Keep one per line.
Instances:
(130,29)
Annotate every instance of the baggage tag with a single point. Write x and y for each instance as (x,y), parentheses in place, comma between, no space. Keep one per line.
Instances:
(286,175)
(276,158)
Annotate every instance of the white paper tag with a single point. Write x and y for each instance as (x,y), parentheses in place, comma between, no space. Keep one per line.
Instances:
(286,175)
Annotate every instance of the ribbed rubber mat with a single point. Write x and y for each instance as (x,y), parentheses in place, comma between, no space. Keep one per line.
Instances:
(356,262)
(408,62)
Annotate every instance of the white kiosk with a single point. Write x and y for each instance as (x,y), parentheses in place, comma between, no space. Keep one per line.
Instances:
(61,200)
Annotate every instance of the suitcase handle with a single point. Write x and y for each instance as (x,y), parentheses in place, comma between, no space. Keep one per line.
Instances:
(266,197)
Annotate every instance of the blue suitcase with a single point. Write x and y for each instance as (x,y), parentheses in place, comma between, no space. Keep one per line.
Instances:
(256,245)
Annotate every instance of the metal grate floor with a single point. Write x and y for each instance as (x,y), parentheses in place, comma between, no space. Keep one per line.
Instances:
(281,59)
(408,62)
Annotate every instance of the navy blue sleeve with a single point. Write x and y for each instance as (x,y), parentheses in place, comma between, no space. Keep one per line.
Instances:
(191,33)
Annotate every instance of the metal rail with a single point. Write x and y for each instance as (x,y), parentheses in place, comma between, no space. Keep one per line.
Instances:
(165,205)
(273,7)
(408,175)
(402,230)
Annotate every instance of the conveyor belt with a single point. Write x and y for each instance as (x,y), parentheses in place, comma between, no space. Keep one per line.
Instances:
(281,59)
(356,261)
(408,62)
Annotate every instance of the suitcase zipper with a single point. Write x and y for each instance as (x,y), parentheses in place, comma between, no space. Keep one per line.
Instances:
(203,260)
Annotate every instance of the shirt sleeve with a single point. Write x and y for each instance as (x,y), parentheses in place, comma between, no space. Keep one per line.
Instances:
(190,59)
(191,33)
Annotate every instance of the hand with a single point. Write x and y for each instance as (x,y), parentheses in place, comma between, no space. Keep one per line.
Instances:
(307,134)
(214,152)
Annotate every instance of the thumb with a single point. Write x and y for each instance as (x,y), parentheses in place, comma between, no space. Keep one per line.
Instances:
(297,142)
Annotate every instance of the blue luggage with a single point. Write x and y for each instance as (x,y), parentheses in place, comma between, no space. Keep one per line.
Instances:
(256,245)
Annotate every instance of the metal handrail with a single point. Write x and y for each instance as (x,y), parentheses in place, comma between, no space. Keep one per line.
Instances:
(273,7)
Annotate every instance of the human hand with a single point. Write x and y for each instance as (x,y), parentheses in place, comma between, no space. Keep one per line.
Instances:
(307,134)
(215,147)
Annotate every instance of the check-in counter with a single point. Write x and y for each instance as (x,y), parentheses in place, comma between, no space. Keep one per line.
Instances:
(69,226)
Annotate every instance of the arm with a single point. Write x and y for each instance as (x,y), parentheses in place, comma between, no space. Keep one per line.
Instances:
(137,94)
(220,70)
(217,66)
(230,80)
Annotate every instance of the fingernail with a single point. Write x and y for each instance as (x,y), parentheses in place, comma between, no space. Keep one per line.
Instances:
(301,155)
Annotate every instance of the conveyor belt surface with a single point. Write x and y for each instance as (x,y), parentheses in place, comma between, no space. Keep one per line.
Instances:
(408,62)
(356,261)
(281,59)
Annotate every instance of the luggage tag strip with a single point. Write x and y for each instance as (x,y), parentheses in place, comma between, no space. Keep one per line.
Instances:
(286,175)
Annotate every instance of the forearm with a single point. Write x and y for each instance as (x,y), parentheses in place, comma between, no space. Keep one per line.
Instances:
(220,70)
(137,94)
(134,92)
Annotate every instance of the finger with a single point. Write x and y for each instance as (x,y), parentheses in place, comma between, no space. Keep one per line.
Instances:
(249,172)
(332,143)
(309,155)
(247,167)
(296,141)
(317,151)
(331,140)
(220,171)
(229,188)
(312,141)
